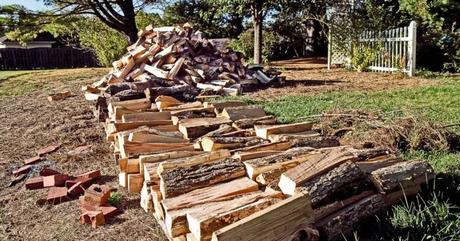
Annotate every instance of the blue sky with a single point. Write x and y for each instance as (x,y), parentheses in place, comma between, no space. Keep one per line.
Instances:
(30,4)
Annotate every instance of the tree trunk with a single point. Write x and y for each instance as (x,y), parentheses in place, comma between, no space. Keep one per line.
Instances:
(257,20)
(130,22)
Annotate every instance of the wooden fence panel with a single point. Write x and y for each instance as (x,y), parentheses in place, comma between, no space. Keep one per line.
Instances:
(397,49)
(46,58)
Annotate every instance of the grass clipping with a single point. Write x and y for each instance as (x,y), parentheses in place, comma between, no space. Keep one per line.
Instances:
(409,133)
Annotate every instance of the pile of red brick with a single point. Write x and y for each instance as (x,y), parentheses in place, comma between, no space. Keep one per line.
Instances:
(95,207)
(63,187)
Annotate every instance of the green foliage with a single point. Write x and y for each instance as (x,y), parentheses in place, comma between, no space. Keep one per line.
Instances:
(440,32)
(245,44)
(115,198)
(207,16)
(107,43)
(362,57)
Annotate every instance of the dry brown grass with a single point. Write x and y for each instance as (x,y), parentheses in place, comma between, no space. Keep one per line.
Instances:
(30,122)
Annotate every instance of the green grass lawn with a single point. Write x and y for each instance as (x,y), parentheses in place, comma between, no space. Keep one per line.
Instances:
(438,103)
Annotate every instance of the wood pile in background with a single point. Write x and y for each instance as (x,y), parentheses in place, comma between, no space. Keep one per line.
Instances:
(179,62)
(228,171)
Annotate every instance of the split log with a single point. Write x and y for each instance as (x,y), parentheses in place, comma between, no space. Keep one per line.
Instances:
(313,167)
(192,113)
(142,137)
(243,112)
(277,146)
(215,216)
(277,222)
(339,183)
(138,104)
(154,92)
(289,158)
(185,179)
(403,174)
(146,116)
(193,160)
(129,165)
(219,106)
(132,125)
(344,221)
(223,129)
(378,162)
(243,156)
(240,133)
(177,207)
(266,131)
(217,143)
(194,128)
(328,209)
(250,122)
(186,106)
(315,142)
(214,193)
(128,149)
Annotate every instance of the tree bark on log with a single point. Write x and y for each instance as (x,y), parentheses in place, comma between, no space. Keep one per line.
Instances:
(344,221)
(250,122)
(290,157)
(313,167)
(339,183)
(217,143)
(315,142)
(402,174)
(181,180)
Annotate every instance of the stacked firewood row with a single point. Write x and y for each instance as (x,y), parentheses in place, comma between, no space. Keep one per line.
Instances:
(228,171)
(180,62)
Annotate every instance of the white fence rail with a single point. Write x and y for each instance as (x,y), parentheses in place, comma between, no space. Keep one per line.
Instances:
(396,49)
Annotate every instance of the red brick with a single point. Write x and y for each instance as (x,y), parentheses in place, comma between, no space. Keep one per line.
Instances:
(79,188)
(34,183)
(57,180)
(48,149)
(84,206)
(69,183)
(32,160)
(22,170)
(91,174)
(109,211)
(97,195)
(96,218)
(57,195)
(48,172)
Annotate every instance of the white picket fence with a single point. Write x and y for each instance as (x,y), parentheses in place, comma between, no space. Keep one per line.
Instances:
(397,49)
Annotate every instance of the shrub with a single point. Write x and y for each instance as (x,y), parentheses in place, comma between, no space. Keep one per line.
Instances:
(245,44)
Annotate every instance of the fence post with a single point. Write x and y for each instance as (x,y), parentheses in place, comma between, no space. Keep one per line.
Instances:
(329,50)
(412,47)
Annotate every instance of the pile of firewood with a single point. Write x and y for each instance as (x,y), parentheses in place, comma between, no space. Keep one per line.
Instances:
(227,171)
(179,62)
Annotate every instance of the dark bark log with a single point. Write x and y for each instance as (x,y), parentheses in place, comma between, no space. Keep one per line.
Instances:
(181,180)
(344,221)
(249,123)
(315,142)
(340,183)
(402,174)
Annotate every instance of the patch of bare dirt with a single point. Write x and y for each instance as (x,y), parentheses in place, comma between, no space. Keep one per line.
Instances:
(311,76)
(29,123)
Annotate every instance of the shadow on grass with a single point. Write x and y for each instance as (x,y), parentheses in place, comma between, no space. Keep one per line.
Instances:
(431,215)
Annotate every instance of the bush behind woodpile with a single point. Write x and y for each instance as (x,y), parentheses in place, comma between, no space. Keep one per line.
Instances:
(408,133)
